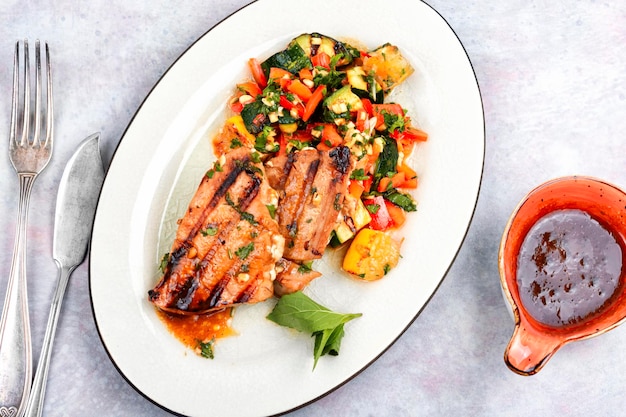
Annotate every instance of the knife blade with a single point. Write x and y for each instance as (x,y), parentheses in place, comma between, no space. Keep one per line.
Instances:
(77,198)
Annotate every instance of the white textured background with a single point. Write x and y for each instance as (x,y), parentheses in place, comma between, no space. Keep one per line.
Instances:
(553,81)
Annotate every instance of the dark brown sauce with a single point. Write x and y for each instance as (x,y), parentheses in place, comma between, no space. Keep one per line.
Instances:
(568,268)
(192,330)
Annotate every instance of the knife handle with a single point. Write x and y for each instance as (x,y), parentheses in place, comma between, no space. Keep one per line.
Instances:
(15,343)
(34,408)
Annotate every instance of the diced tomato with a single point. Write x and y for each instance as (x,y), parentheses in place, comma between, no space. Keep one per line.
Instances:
(278,73)
(361,118)
(257,72)
(378,110)
(313,102)
(321,60)
(236,106)
(415,134)
(396,213)
(367,184)
(284,101)
(299,89)
(381,219)
(410,176)
(384,184)
(395,181)
(322,146)
(330,136)
(305,74)
(355,188)
(250,88)
(367,106)
(302,135)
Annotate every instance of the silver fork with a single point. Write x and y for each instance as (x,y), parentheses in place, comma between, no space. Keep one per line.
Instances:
(30,152)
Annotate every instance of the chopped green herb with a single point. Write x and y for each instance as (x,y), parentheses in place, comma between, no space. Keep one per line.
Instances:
(164,260)
(305,267)
(249,217)
(272,209)
(405,201)
(359,174)
(211,230)
(243,252)
(245,268)
(235,143)
(256,157)
(206,349)
(372,208)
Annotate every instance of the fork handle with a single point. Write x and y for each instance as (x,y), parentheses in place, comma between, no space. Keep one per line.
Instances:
(15,343)
(34,408)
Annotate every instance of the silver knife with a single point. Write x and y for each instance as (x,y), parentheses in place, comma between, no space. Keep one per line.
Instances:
(77,198)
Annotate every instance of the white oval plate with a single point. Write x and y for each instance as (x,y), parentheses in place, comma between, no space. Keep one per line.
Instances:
(165,150)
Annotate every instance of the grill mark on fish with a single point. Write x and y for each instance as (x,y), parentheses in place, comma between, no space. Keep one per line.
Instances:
(304,197)
(221,191)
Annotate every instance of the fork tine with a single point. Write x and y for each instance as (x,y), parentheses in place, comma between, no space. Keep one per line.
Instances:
(49,121)
(26,119)
(15,98)
(37,115)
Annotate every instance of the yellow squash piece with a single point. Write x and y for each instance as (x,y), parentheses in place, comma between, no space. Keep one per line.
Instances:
(390,68)
(371,255)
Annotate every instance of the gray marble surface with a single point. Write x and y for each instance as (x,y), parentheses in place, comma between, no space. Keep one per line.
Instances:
(553,81)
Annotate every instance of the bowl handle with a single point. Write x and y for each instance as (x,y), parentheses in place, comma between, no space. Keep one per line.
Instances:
(528,351)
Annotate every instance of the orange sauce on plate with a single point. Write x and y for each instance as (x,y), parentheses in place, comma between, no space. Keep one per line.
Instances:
(194,329)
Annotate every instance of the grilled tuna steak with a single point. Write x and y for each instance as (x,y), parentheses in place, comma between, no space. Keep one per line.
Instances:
(292,277)
(227,243)
(311,185)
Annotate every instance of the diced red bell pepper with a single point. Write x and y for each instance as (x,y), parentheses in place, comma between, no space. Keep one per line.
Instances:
(396,213)
(236,106)
(381,219)
(313,102)
(367,184)
(321,60)
(378,110)
(257,72)
(278,73)
(367,106)
(413,133)
(299,89)
(250,88)
(330,136)
(305,74)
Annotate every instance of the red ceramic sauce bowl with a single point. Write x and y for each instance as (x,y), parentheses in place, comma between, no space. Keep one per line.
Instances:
(533,342)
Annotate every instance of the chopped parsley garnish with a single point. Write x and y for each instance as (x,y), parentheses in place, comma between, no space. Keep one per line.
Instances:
(372,208)
(359,174)
(211,230)
(249,217)
(235,143)
(206,349)
(243,252)
(305,267)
